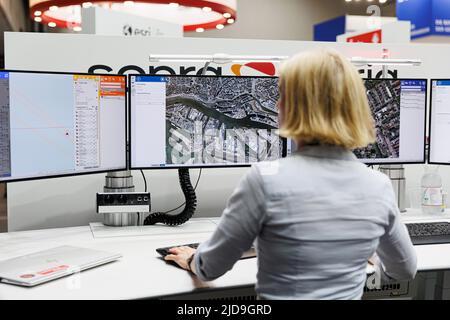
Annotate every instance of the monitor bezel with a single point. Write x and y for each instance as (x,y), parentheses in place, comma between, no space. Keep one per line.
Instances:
(429,123)
(3,180)
(130,147)
(424,158)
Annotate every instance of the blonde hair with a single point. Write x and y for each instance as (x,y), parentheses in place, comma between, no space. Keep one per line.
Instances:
(324,101)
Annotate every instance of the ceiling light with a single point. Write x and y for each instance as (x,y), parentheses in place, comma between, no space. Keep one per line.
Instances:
(77,29)
(38,19)
(194,14)
(52,24)
(220,26)
(200,30)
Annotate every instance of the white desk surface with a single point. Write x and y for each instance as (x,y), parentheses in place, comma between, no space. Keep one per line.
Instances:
(141,273)
(430,257)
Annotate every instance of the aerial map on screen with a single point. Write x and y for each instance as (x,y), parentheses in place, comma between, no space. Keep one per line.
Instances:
(384,101)
(214,120)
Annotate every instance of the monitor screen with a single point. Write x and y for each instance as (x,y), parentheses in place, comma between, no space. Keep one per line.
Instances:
(54,124)
(203,121)
(399,110)
(439,152)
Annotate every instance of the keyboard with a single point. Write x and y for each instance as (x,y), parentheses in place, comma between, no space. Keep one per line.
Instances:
(429,233)
(165,251)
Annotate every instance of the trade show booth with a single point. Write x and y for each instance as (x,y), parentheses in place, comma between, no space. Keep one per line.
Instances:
(108,84)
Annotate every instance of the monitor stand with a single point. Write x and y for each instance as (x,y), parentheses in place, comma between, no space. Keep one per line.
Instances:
(397,175)
(121,181)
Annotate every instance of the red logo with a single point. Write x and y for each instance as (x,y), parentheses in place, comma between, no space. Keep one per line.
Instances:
(369,37)
(52,270)
(267,68)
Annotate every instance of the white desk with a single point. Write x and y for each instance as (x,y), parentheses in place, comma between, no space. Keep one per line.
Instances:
(430,257)
(141,273)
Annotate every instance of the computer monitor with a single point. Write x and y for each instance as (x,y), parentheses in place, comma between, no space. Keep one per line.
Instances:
(439,145)
(399,110)
(203,121)
(58,124)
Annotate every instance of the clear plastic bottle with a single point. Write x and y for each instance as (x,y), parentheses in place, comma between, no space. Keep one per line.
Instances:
(432,196)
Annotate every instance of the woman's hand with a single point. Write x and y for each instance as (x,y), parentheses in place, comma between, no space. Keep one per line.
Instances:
(181,256)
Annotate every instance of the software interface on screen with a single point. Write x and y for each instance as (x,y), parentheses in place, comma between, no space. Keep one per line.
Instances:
(58,124)
(440,121)
(193,121)
(399,111)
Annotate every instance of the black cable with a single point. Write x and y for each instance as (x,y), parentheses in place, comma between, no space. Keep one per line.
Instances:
(190,204)
(195,189)
(145,181)
(198,179)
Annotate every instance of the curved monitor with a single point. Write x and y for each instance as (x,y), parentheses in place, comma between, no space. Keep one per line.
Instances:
(203,121)
(59,124)
(399,110)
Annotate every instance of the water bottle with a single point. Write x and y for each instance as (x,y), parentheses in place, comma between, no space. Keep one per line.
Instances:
(432,195)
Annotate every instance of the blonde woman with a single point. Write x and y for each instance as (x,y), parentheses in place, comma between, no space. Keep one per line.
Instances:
(320,214)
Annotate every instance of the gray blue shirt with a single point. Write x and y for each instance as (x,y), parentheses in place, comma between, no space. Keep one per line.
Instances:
(317,217)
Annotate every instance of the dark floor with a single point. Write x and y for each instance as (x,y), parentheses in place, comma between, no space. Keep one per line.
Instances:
(3,211)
